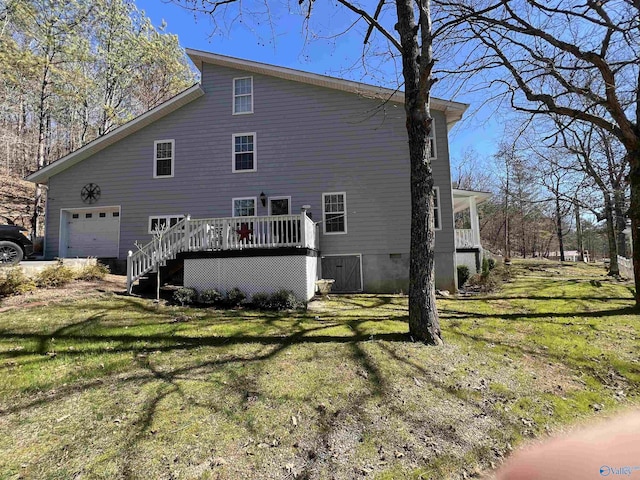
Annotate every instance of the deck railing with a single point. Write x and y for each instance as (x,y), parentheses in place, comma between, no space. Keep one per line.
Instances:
(214,234)
(466,238)
(625,266)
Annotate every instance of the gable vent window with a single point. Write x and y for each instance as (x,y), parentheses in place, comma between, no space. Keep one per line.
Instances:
(242,95)
(75,215)
(244,153)
(164,155)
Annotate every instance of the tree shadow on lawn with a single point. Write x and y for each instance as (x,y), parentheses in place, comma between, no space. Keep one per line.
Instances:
(449,312)
(580,364)
(166,381)
(541,297)
(103,343)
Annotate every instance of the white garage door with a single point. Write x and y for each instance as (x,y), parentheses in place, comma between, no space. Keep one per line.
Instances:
(93,232)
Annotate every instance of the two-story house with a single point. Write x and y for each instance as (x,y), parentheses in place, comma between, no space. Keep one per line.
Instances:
(260,177)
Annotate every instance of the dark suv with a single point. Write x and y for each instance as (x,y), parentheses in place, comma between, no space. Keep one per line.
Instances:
(14,245)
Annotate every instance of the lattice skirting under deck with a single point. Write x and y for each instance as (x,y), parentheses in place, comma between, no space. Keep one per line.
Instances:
(269,274)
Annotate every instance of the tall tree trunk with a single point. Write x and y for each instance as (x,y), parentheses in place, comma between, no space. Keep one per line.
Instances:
(424,323)
(507,238)
(614,270)
(621,220)
(579,239)
(41,152)
(634,212)
(559,229)
(523,232)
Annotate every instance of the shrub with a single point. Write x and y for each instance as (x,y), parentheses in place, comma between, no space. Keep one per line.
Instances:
(492,263)
(185,296)
(463,275)
(93,272)
(13,281)
(485,266)
(261,301)
(485,282)
(235,297)
(211,297)
(55,276)
(283,300)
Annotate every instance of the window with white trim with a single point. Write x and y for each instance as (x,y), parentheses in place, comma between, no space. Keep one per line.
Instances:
(244,207)
(436,208)
(163,222)
(163,158)
(334,212)
(433,152)
(279,205)
(244,153)
(242,95)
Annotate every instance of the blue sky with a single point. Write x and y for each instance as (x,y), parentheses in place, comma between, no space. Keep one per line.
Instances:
(283,44)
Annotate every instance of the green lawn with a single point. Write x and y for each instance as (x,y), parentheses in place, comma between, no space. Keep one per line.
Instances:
(113,387)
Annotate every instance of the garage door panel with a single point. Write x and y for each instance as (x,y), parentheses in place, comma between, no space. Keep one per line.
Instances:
(90,235)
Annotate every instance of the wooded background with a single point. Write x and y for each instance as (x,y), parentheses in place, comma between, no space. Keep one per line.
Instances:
(70,71)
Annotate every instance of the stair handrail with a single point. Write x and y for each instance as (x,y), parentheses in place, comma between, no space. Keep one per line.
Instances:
(163,247)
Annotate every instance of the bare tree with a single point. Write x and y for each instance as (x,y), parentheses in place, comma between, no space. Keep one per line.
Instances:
(575,59)
(594,149)
(70,70)
(414,43)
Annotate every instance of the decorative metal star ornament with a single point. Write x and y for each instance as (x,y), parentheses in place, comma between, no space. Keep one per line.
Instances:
(244,232)
(90,193)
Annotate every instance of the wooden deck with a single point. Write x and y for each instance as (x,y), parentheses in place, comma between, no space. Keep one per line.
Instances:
(220,234)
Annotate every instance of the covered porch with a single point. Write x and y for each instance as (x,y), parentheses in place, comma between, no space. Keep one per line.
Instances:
(467,225)
(467,228)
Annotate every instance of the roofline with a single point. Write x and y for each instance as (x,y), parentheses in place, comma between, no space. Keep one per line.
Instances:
(471,193)
(452,110)
(132,126)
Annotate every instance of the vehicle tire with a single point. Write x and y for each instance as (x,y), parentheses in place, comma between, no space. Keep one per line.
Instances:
(10,253)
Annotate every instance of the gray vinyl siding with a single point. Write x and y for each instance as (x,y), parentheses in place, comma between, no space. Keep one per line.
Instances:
(310,140)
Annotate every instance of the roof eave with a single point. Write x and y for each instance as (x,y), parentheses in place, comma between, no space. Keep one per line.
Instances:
(452,110)
(471,193)
(100,143)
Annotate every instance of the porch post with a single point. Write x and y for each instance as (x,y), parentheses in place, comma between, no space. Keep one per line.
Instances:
(129,272)
(303,226)
(225,234)
(475,224)
(187,233)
